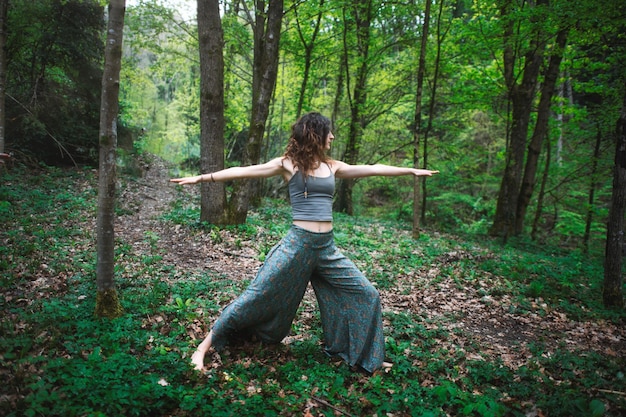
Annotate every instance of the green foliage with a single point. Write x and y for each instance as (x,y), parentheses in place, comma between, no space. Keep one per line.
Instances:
(161,97)
(53,81)
(462,212)
(54,74)
(560,276)
(59,359)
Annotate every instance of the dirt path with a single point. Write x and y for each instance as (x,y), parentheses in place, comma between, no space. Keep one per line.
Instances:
(147,198)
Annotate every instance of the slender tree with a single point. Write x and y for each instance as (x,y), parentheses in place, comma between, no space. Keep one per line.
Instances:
(4,6)
(211,39)
(593,185)
(267,30)
(440,37)
(542,190)
(548,89)
(613,280)
(362,15)
(521,96)
(417,127)
(309,46)
(107,301)
(339,90)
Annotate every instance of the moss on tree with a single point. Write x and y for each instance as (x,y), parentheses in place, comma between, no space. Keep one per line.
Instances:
(108,304)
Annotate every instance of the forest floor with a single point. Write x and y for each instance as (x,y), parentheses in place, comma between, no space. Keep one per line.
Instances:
(463,334)
(469,312)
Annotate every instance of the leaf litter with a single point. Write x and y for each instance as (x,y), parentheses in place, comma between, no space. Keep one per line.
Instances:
(481,326)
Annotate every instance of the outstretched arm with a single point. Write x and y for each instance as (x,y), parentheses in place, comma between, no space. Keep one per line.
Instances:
(358,171)
(268,169)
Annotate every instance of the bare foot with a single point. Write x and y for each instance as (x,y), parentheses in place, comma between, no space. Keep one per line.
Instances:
(197,360)
(386,367)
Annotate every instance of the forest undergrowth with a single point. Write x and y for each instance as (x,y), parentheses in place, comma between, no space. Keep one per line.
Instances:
(472,326)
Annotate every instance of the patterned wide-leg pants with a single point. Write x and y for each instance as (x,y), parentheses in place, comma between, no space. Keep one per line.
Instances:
(349,304)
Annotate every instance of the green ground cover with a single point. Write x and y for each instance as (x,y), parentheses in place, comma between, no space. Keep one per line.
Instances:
(473,328)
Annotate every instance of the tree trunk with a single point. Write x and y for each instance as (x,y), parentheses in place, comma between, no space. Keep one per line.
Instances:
(613,280)
(362,18)
(4,6)
(308,52)
(521,96)
(421,68)
(343,64)
(542,191)
(265,71)
(540,131)
(211,39)
(441,35)
(592,191)
(107,301)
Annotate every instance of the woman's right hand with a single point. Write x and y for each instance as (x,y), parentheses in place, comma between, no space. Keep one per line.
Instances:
(187,180)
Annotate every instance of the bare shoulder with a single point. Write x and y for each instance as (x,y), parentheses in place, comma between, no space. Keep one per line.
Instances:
(287,166)
(265,170)
(337,165)
(286,163)
(340,169)
(277,162)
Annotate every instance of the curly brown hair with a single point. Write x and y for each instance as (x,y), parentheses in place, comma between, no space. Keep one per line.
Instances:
(307,144)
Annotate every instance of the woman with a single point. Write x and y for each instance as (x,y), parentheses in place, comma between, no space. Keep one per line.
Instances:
(349,304)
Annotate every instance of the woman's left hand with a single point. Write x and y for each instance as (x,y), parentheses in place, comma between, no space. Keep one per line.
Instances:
(424,172)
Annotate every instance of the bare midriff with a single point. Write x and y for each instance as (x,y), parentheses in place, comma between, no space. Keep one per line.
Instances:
(316,227)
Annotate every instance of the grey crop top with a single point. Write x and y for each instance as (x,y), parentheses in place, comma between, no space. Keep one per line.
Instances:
(312,200)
